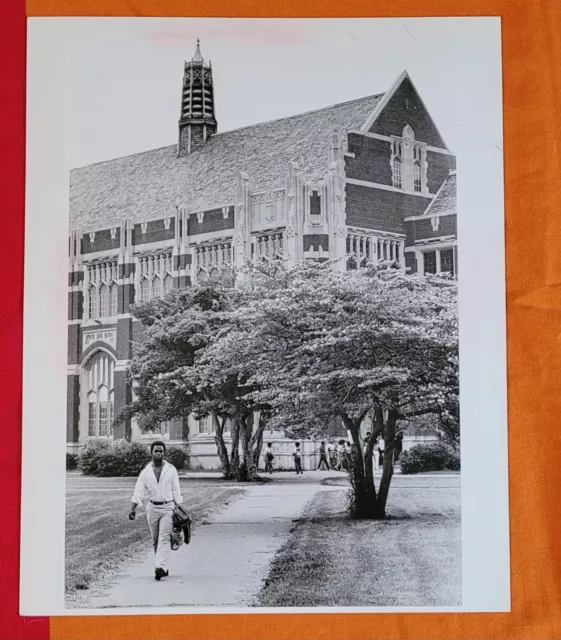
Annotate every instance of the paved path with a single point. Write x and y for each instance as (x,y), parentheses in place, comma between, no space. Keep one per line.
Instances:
(227,558)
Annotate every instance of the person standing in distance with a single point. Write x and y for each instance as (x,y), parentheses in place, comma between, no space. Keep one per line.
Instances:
(298,459)
(323,456)
(158,483)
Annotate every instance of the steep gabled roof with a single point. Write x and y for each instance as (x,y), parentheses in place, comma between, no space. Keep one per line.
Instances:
(150,185)
(445,199)
(386,99)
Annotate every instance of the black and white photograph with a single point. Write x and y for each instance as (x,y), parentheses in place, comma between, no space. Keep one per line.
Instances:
(277,310)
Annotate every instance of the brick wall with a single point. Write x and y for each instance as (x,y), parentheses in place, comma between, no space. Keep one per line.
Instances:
(155,232)
(75,278)
(213,220)
(371,161)
(422,229)
(125,297)
(124,336)
(181,282)
(439,166)
(102,241)
(405,107)
(75,305)
(74,343)
(380,209)
(72,408)
(197,137)
(182,261)
(316,240)
(123,396)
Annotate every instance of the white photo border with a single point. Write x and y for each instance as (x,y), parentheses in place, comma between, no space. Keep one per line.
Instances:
(482,308)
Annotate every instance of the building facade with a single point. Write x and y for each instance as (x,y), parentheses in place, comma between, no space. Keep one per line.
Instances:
(367,179)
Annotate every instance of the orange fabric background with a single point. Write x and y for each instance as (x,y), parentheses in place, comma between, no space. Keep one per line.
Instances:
(532,120)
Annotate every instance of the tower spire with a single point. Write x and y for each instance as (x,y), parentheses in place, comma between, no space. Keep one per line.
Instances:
(198,57)
(196,122)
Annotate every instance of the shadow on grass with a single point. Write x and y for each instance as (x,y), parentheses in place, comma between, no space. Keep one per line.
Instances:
(411,558)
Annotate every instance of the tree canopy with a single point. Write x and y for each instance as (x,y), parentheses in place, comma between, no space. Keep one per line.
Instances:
(297,347)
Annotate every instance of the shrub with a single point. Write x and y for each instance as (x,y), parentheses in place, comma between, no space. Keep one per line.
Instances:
(71,461)
(431,457)
(90,456)
(176,457)
(122,458)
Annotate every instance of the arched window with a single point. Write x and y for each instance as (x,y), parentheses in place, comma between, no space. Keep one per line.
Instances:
(156,287)
(396,164)
(144,290)
(103,301)
(168,284)
(397,173)
(93,309)
(100,395)
(417,168)
(113,300)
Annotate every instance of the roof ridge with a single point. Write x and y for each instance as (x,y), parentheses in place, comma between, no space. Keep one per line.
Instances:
(302,113)
(248,126)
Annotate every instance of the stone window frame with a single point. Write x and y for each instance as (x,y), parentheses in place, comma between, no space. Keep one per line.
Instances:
(214,256)
(101,277)
(154,275)
(406,155)
(99,381)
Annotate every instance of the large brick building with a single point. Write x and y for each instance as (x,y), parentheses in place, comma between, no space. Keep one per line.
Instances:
(369,178)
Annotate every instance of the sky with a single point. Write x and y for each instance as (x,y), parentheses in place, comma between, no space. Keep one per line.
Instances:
(123,76)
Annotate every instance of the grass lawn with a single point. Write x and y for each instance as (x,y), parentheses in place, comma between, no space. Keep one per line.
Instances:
(99,535)
(411,559)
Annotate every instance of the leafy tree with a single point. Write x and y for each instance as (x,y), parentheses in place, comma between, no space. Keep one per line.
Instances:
(373,341)
(176,372)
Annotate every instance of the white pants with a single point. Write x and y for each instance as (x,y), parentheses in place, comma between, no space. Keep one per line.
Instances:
(160,521)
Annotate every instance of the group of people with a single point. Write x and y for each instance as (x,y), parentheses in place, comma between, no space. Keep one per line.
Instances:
(296,455)
(337,456)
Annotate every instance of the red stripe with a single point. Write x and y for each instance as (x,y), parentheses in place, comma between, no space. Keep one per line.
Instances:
(12,171)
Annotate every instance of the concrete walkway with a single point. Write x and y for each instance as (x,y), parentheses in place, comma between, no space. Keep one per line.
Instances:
(228,556)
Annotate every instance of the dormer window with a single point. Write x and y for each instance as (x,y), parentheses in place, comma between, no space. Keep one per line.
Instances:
(409,163)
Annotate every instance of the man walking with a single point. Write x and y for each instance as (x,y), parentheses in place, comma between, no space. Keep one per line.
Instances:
(323,456)
(158,483)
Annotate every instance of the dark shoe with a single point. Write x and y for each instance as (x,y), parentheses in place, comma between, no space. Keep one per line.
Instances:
(161,573)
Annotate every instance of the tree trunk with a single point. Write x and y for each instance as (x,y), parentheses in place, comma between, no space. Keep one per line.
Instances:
(235,450)
(220,444)
(363,492)
(246,471)
(257,440)
(387,471)
(365,501)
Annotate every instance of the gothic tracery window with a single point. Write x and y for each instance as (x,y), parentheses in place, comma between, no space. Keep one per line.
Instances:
(100,396)
(102,290)
(396,164)
(213,260)
(409,163)
(269,245)
(155,275)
